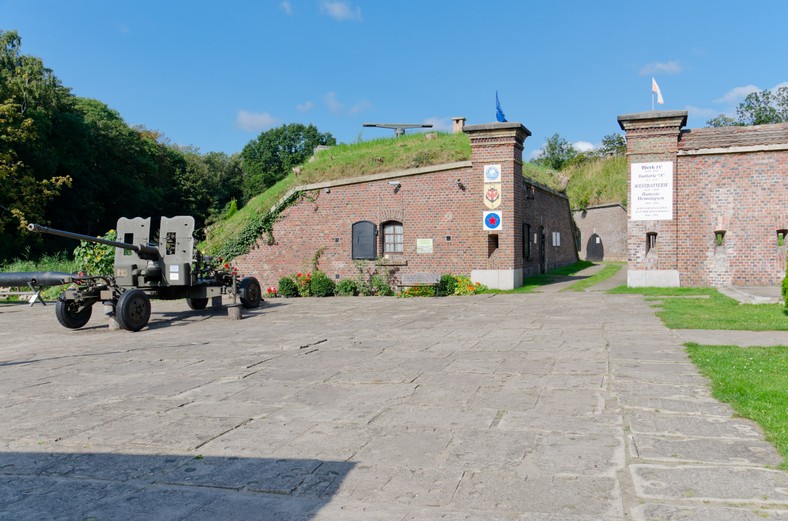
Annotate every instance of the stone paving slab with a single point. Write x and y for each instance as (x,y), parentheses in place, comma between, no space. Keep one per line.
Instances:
(552,406)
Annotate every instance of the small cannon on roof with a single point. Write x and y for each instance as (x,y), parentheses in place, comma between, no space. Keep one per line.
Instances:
(169,270)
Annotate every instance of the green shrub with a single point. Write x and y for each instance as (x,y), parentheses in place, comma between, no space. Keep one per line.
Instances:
(346,288)
(381,286)
(322,285)
(232,209)
(303,283)
(785,289)
(287,287)
(447,284)
(466,287)
(96,259)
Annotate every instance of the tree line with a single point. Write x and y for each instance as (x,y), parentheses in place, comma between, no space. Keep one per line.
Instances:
(74,163)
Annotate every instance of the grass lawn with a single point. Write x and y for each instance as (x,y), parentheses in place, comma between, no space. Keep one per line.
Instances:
(707,308)
(754,381)
(531,284)
(606,272)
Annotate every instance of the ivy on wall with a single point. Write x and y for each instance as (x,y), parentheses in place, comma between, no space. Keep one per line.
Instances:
(257,226)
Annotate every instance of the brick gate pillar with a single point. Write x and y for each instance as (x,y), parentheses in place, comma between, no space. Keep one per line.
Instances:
(499,146)
(652,185)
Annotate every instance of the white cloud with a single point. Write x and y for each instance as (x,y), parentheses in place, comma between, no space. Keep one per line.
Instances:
(536,153)
(341,11)
(332,102)
(671,67)
(286,7)
(779,85)
(737,94)
(701,113)
(361,106)
(255,121)
(439,124)
(306,106)
(123,29)
(583,146)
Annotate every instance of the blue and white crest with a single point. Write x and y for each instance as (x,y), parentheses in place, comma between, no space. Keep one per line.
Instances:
(492,173)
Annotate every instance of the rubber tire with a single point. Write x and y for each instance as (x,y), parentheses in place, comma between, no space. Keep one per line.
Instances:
(133,310)
(69,318)
(252,291)
(197,303)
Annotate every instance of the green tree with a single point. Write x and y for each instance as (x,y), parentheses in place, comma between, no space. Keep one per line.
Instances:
(556,152)
(613,144)
(30,95)
(275,152)
(758,108)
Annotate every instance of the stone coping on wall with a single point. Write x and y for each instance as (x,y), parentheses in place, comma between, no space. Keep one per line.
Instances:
(750,138)
(653,115)
(374,177)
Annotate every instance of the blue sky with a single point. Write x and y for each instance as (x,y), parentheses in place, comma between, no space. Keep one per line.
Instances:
(215,74)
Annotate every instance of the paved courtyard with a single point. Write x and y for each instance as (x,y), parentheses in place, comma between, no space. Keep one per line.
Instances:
(545,407)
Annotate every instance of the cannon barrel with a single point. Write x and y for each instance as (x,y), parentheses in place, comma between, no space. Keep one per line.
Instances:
(144,251)
(35,278)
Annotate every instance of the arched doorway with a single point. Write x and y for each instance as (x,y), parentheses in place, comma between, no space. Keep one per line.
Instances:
(595,249)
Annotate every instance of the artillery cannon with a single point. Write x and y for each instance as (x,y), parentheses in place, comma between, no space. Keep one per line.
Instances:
(169,270)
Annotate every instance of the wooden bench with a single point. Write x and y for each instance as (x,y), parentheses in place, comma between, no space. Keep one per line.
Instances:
(418,280)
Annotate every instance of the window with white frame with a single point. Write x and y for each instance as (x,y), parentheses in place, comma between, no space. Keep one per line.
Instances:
(556,239)
(392,237)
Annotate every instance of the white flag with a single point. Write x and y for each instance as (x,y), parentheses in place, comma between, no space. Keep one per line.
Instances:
(655,88)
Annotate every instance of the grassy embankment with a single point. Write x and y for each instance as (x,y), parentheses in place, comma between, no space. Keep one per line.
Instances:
(343,162)
(597,182)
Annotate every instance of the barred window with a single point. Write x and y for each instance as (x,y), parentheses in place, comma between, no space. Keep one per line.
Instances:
(392,237)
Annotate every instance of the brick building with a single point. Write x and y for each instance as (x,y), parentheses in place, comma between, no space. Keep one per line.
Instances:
(602,232)
(480,218)
(707,207)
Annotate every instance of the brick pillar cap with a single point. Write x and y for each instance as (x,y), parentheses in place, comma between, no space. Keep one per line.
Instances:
(497,126)
(652,115)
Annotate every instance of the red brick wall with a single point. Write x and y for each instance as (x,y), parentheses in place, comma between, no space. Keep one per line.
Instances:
(430,205)
(744,195)
(729,179)
(549,211)
(652,139)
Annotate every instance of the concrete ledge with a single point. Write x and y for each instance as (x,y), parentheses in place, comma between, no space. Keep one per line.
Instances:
(656,278)
(498,279)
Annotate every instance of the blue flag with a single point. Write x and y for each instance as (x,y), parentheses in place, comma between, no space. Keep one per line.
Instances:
(499,115)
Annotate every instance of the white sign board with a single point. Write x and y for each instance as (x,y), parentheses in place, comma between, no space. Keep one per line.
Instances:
(423,245)
(651,191)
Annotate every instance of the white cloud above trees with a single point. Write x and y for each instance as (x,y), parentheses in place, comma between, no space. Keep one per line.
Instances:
(255,121)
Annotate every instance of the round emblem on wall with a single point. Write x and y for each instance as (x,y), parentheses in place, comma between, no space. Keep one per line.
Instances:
(492,220)
(492,173)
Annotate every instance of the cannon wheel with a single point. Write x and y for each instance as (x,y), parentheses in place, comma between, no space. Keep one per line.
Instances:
(197,303)
(133,310)
(68,316)
(251,294)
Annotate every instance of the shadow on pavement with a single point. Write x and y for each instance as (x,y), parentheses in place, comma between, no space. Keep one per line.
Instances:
(119,486)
